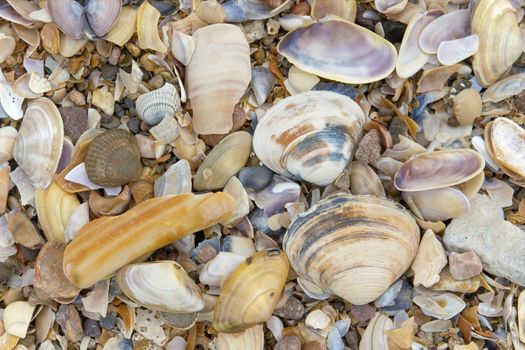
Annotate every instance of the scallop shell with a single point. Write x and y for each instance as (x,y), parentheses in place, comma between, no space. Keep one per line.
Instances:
(17,316)
(467,106)
(8,136)
(215,86)
(251,338)
(154,105)
(500,43)
(352,246)
(309,136)
(250,294)
(506,143)
(39,144)
(113,158)
(161,286)
(306,47)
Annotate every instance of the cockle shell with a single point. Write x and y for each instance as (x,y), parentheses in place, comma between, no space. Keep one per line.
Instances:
(346,9)
(352,246)
(141,230)
(505,141)
(309,136)
(453,25)
(500,43)
(250,294)
(8,136)
(113,158)
(305,47)
(147,32)
(17,317)
(161,286)
(215,86)
(39,144)
(467,106)
(154,105)
(251,338)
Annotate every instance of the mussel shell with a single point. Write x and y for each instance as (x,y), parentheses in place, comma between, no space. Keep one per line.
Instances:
(113,158)
(102,15)
(352,246)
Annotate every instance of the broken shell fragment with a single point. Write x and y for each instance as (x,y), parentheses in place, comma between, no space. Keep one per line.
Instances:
(7,46)
(363,180)
(176,180)
(161,286)
(441,306)
(372,245)
(309,136)
(450,26)
(153,106)
(429,261)
(439,204)
(504,88)
(4,185)
(147,33)
(505,142)
(141,230)
(17,317)
(8,136)
(251,338)
(124,28)
(467,106)
(375,335)
(242,10)
(454,51)
(388,7)
(346,9)
(305,47)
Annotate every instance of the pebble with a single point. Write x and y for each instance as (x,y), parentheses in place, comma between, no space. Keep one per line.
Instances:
(5,272)
(255,177)
(75,121)
(108,322)
(289,343)
(109,72)
(134,125)
(69,320)
(314,345)
(369,148)
(397,127)
(519,102)
(293,309)
(464,265)
(499,244)
(92,328)
(362,313)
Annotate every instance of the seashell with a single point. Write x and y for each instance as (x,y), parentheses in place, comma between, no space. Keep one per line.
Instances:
(436,78)
(102,15)
(275,196)
(297,133)
(182,47)
(450,26)
(176,180)
(102,206)
(70,47)
(23,230)
(404,149)
(504,142)
(450,284)
(521,315)
(8,136)
(439,204)
(113,158)
(224,161)
(305,48)
(147,32)
(24,187)
(504,88)
(251,292)
(161,223)
(388,7)
(124,28)
(154,105)
(241,245)
(255,178)
(39,143)
(346,9)
(441,306)
(43,323)
(375,336)
(262,83)
(454,51)
(335,260)
(8,341)
(215,86)
(30,35)
(210,12)
(161,286)
(7,46)
(235,188)
(467,106)
(4,185)
(500,43)
(499,191)
(218,269)
(242,10)
(10,102)
(17,316)
(78,218)
(363,180)
(429,261)
(251,338)
(50,38)
(181,322)
(438,169)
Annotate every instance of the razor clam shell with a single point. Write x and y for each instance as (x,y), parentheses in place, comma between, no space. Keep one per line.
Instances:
(68,15)
(438,169)
(102,15)
(450,26)
(306,48)
(507,143)
(346,9)
(215,86)
(176,180)
(454,51)
(363,180)
(154,105)
(39,143)
(330,245)
(297,133)
(242,10)
(504,88)
(161,286)
(439,204)
(441,306)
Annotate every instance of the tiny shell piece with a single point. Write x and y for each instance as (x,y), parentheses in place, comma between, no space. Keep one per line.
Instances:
(176,180)
(429,261)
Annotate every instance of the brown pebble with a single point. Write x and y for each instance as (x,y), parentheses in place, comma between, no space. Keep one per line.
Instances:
(314,345)
(464,265)
(289,343)
(69,320)
(75,121)
(301,9)
(352,339)
(519,102)
(397,127)
(23,230)
(369,149)
(362,313)
(293,309)
(5,272)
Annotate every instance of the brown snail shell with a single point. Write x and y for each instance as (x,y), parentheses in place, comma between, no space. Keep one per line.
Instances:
(113,158)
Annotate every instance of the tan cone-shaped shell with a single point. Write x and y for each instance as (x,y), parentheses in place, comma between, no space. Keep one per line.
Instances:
(352,246)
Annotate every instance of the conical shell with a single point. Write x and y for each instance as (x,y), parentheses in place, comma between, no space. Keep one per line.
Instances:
(352,246)
(161,286)
(39,143)
(500,43)
(309,136)
(154,105)
(113,158)
(141,230)
(250,294)
(251,338)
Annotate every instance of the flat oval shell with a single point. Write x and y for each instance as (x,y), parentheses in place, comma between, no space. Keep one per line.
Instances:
(439,204)
(450,26)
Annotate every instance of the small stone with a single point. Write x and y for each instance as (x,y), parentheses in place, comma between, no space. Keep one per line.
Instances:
(75,121)
(255,177)
(293,309)
(134,125)
(92,328)
(464,265)
(369,148)
(108,322)
(69,320)
(429,261)
(362,313)
(5,273)
(519,102)
(289,343)
(397,127)
(77,97)
(352,339)
(109,72)
(314,345)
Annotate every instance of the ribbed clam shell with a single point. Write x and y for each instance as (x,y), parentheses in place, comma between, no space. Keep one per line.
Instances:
(453,25)
(306,47)
(113,158)
(39,144)
(438,169)
(352,246)
(310,136)
(154,105)
(507,145)
(161,286)
(500,43)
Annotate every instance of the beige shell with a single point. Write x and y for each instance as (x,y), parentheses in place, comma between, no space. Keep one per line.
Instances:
(8,136)
(251,338)
(310,136)
(39,143)
(113,158)
(500,43)
(467,106)
(390,6)
(7,46)
(375,336)
(154,105)
(346,9)
(125,27)
(224,161)
(352,246)
(438,204)
(251,292)
(505,141)
(147,33)
(215,86)
(363,180)
(17,316)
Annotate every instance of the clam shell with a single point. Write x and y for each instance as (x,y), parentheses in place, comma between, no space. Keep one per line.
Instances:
(500,43)
(39,144)
(504,88)
(442,306)
(346,9)
(235,188)
(363,180)
(438,169)
(161,286)
(250,294)
(450,26)
(375,335)
(21,86)
(113,158)
(454,51)
(17,316)
(507,146)
(70,47)
(224,161)
(11,15)
(103,14)
(429,261)
(467,106)
(176,180)
(215,86)
(388,7)
(141,230)
(251,338)
(50,38)
(215,271)
(7,46)
(124,28)
(11,103)
(309,136)
(8,136)
(306,48)
(68,15)
(352,246)
(147,32)
(439,204)
(404,149)
(154,105)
